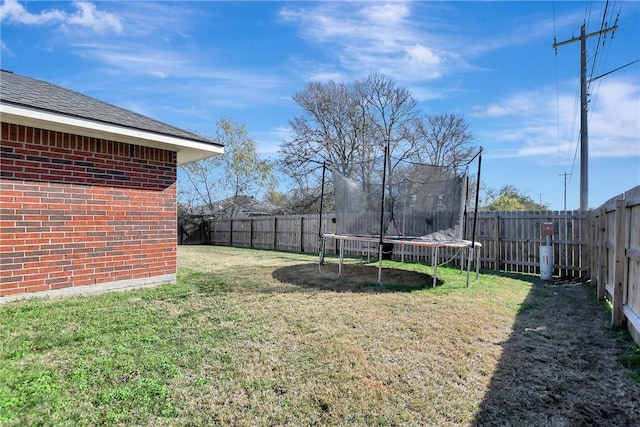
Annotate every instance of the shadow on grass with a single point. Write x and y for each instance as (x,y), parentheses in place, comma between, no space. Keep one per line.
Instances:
(560,365)
(355,278)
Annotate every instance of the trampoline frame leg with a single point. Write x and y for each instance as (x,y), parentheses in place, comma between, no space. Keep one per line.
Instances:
(435,267)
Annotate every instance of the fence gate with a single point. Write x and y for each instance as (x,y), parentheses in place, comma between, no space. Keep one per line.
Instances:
(193,230)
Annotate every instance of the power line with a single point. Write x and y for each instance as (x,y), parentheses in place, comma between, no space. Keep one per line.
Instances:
(614,70)
(602,27)
(598,59)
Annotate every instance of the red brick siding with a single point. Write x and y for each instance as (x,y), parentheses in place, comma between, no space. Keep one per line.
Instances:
(77,211)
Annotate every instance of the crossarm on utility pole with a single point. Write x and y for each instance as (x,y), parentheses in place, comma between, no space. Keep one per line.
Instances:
(586,36)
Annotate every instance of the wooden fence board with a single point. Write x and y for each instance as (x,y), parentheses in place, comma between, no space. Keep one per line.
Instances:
(601,241)
(633,254)
(615,244)
(263,233)
(511,240)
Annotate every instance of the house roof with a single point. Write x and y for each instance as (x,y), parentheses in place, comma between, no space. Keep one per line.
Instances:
(37,103)
(240,206)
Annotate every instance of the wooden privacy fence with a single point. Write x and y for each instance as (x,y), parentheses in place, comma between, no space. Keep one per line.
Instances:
(298,233)
(510,240)
(615,265)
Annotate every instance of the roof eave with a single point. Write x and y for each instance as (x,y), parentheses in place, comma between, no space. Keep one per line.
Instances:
(188,150)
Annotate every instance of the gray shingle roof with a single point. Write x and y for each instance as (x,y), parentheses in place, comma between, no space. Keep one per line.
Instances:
(37,94)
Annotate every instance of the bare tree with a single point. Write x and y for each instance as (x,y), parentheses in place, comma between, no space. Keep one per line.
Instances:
(347,125)
(443,140)
(239,172)
(331,129)
(390,109)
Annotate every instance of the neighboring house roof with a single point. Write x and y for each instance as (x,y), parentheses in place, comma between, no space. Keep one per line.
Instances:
(36,103)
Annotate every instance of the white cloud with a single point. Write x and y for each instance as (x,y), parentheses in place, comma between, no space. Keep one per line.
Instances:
(13,12)
(419,55)
(526,124)
(614,123)
(134,59)
(86,15)
(515,105)
(390,12)
(163,20)
(159,74)
(233,88)
(270,141)
(89,16)
(372,36)
(5,49)
(192,77)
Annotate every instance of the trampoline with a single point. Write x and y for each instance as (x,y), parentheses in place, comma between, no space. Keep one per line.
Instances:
(393,203)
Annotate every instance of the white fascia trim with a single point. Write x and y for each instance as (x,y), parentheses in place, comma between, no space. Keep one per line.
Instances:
(190,150)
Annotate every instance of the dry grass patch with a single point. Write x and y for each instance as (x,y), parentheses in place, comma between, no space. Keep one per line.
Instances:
(252,338)
(347,351)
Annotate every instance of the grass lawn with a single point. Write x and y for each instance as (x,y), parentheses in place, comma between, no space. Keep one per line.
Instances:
(254,338)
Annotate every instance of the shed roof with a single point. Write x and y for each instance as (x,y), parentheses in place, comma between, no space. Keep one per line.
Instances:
(37,103)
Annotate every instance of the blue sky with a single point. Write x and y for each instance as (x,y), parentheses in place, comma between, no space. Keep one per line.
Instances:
(190,63)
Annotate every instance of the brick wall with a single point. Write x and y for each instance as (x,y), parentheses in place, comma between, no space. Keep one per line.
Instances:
(77,211)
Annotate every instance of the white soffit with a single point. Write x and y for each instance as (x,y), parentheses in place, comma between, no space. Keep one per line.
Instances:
(188,150)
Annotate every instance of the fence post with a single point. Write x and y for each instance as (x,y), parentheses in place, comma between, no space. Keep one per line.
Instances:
(585,237)
(617,318)
(496,239)
(251,233)
(275,233)
(602,253)
(301,233)
(591,246)
(231,232)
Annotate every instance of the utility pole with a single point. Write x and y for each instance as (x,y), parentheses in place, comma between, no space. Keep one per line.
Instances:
(565,189)
(584,103)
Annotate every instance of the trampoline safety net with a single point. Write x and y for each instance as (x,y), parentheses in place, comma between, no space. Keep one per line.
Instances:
(420,200)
